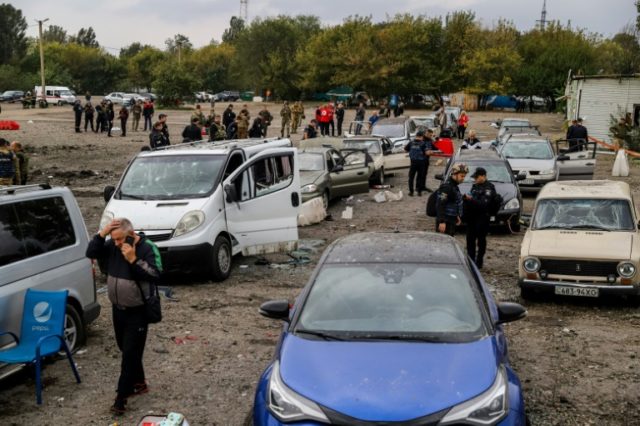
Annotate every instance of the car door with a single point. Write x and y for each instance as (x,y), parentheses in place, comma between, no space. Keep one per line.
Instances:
(262,214)
(347,179)
(576,162)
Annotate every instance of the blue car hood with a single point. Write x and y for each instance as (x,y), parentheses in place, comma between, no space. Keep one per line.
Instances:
(388,381)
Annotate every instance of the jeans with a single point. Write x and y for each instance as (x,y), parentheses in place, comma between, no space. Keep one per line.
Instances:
(147,122)
(477,230)
(130,326)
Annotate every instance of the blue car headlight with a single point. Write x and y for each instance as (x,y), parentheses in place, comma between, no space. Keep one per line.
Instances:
(288,406)
(488,408)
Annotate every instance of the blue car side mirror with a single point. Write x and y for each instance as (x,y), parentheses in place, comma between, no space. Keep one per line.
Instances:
(275,309)
(508,312)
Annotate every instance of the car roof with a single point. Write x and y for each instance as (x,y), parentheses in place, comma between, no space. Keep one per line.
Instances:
(220,148)
(316,149)
(21,192)
(363,138)
(586,189)
(422,117)
(478,154)
(391,120)
(394,247)
(527,138)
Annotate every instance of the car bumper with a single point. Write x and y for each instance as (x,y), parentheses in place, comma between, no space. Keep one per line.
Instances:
(310,196)
(505,216)
(536,185)
(186,258)
(603,289)
(91,312)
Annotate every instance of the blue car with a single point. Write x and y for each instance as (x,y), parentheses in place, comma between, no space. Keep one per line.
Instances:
(392,328)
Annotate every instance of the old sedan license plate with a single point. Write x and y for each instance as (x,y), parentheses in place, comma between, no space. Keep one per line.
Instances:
(577,291)
(527,182)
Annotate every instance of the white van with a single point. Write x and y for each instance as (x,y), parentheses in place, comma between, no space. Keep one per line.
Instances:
(202,203)
(57,95)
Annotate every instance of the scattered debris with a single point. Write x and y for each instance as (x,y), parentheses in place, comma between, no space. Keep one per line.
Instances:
(312,212)
(347,213)
(384,196)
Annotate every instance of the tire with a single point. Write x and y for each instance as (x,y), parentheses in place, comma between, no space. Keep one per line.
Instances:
(60,103)
(515,225)
(74,331)
(380,177)
(325,200)
(221,259)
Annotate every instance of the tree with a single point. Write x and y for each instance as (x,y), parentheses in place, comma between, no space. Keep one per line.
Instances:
(131,50)
(236,27)
(13,42)
(178,41)
(173,82)
(140,67)
(211,66)
(54,33)
(85,37)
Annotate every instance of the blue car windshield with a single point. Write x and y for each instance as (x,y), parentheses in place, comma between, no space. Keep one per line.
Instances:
(395,301)
(171,177)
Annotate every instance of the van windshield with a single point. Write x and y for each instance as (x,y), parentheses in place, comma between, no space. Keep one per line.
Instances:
(171,177)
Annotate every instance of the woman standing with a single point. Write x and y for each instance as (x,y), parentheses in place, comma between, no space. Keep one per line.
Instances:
(463,122)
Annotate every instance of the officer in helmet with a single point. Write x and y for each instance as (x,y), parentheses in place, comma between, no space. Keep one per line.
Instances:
(450,202)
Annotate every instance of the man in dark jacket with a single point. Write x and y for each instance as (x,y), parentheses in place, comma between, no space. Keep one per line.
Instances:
(449,202)
(78,110)
(157,138)
(133,266)
(418,150)
(192,132)
(577,136)
(340,117)
(477,214)
(228,116)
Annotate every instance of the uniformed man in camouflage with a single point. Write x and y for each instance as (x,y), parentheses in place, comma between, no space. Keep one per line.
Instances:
(217,131)
(285,114)
(9,164)
(297,113)
(266,120)
(243,125)
(23,163)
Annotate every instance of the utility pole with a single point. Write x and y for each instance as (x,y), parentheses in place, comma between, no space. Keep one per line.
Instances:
(179,44)
(44,94)
(543,16)
(244,10)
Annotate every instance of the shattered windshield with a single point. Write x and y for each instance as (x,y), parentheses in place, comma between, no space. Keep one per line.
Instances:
(311,162)
(171,177)
(370,301)
(388,130)
(538,150)
(372,146)
(607,215)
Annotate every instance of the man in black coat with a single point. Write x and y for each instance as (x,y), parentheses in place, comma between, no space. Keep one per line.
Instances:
(228,116)
(78,110)
(477,214)
(192,132)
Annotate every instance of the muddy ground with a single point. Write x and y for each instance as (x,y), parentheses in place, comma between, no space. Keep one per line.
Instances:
(577,359)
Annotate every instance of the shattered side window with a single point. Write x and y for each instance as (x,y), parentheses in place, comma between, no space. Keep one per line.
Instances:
(609,215)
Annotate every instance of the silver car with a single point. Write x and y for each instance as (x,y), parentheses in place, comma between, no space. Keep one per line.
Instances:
(43,240)
(533,157)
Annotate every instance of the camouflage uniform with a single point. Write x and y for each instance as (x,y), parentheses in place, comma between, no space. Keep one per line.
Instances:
(23,164)
(297,112)
(217,132)
(285,114)
(243,126)
(9,165)
(266,120)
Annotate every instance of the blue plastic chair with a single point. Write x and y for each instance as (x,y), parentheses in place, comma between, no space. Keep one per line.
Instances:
(42,333)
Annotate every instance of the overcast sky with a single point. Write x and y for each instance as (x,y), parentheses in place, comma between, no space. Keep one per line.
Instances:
(118,23)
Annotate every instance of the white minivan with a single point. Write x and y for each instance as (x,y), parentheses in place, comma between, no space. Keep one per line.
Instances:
(57,95)
(203,202)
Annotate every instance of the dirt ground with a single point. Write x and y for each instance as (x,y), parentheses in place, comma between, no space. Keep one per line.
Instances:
(577,359)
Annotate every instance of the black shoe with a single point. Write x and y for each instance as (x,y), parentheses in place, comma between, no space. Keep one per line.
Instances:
(140,389)
(410,193)
(428,190)
(119,406)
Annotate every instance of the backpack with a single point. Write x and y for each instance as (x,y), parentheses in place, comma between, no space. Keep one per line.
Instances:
(432,204)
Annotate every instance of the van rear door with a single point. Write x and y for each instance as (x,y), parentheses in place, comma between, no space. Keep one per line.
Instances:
(262,201)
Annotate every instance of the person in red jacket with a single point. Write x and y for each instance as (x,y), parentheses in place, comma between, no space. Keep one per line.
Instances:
(325,117)
(463,122)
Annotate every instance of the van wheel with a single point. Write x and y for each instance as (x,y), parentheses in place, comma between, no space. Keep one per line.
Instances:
(60,103)
(325,200)
(74,333)
(221,262)
(379,179)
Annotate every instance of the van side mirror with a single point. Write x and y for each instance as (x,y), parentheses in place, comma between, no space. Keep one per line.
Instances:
(108,192)
(509,312)
(275,309)
(232,194)
(439,176)
(563,157)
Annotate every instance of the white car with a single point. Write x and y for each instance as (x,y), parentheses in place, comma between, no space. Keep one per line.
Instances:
(119,98)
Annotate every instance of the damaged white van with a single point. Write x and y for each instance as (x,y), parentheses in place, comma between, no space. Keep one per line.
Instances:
(202,203)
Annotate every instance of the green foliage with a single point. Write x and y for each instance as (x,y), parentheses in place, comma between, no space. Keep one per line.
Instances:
(178,41)
(236,27)
(54,33)
(131,50)
(12,78)
(13,41)
(211,66)
(140,67)
(622,129)
(266,51)
(173,82)
(85,37)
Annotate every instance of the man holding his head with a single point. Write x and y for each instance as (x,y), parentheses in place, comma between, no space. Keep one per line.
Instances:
(133,265)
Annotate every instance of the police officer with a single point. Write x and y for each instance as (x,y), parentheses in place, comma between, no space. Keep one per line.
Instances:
(78,110)
(419,150)
(450,202)
(477,215)
(9,164)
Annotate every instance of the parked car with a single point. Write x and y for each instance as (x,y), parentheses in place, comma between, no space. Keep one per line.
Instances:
(11,96)
(392,328)
(453,113)
(399,130)
(583,241)
(500,174)
(418,100)
(510,122)
(425,121)
(203,203)
(226,96)
(43,240)
(534,158)
(328,173)
(148,95)
(202,96)
(376,147)
(55,95)
(119,98)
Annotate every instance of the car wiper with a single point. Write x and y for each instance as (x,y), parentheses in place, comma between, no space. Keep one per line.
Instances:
(134,197)
(321,334)
(398,337)
(601,228)
(551,227)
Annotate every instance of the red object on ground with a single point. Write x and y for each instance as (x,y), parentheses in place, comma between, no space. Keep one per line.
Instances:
(445,145)
(9,125)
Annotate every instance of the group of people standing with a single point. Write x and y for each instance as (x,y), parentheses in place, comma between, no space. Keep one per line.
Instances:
(100,118)
(14,163)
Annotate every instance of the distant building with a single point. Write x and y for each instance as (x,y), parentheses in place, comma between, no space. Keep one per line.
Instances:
(596,97)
